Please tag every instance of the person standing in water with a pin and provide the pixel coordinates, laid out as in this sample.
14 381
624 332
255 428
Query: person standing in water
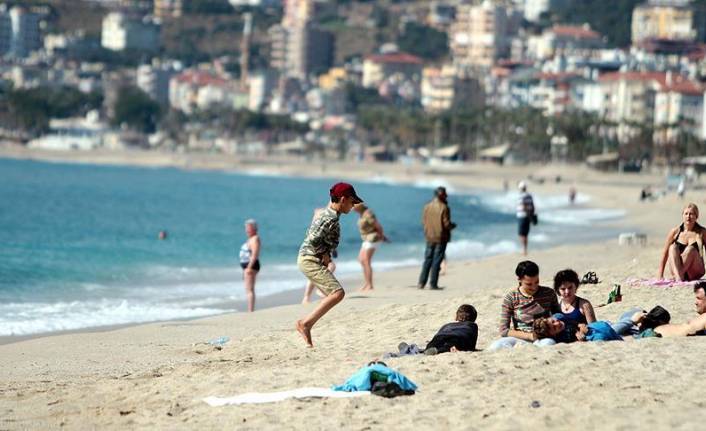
436 220
372 235
250 261
526 215
321 241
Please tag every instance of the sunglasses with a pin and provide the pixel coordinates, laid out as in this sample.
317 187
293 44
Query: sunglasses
371 363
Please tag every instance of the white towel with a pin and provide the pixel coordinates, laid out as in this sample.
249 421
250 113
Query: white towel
257 398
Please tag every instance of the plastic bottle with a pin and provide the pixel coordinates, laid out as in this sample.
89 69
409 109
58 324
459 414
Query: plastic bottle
220 341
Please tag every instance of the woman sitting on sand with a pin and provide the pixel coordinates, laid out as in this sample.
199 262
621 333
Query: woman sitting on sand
576 310
684 247
522 306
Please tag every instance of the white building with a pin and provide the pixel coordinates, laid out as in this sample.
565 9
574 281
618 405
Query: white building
442 89
199 89
663 19
481 34
73 134
255 3
120 32
154 78
19 31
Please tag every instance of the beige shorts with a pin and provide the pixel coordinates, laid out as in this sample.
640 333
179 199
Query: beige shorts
318 273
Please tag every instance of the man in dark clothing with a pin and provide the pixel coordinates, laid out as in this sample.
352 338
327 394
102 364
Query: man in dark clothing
436 219
460 335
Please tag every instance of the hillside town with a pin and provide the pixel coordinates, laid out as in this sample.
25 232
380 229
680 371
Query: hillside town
504 80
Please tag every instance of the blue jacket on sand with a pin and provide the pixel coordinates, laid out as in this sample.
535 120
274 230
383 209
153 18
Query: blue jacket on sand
360 381
602 331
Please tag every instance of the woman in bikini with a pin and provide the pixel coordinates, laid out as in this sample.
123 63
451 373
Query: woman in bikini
684 248
250 261
372 235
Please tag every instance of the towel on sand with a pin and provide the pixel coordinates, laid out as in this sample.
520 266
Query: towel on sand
658 282
271 397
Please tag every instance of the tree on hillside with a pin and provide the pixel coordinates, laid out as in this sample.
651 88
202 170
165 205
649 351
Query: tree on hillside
136 109
610 18
423 41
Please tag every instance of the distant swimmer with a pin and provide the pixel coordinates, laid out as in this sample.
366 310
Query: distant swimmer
162 234
250 261
572 195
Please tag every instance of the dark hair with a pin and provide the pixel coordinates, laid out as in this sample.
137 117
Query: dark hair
466 313
335 199
526 268
658 316
541 327
700 285
565 276
440 191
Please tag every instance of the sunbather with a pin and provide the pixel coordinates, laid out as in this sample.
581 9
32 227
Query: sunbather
684 248
696 326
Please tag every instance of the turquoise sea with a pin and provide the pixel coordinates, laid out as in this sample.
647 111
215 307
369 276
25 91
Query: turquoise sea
79 247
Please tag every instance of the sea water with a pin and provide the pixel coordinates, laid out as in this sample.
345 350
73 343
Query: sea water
79 246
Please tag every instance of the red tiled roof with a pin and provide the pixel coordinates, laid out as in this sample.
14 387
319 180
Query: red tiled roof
575 31
561 76
676 83
398 57
200 78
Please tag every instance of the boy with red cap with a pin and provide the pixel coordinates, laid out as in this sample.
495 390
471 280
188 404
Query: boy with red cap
315 254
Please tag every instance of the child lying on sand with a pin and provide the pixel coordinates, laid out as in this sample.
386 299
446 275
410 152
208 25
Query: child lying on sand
458 336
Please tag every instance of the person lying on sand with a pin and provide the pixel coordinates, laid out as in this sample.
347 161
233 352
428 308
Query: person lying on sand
635 322
458 336
696 326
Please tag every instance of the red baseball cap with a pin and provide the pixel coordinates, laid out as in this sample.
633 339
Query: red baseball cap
340 190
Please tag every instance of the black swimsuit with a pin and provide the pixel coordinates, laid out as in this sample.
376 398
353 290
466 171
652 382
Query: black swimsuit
683 246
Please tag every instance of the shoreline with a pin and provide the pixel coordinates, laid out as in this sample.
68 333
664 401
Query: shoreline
292 297
156 375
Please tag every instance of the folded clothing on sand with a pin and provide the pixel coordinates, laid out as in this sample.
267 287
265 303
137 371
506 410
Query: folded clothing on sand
271 397
362 381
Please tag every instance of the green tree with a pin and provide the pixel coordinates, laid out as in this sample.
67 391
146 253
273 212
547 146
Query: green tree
136 109
423 41
611 18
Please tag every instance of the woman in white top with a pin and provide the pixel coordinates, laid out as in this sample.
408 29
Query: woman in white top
249 261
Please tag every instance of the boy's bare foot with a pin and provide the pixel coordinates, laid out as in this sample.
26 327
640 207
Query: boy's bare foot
305 333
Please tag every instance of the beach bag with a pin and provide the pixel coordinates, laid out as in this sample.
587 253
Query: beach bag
658 316
534 218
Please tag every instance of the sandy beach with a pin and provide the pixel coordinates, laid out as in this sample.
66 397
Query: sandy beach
155 376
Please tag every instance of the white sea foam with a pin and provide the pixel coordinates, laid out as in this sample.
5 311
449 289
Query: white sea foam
37 317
